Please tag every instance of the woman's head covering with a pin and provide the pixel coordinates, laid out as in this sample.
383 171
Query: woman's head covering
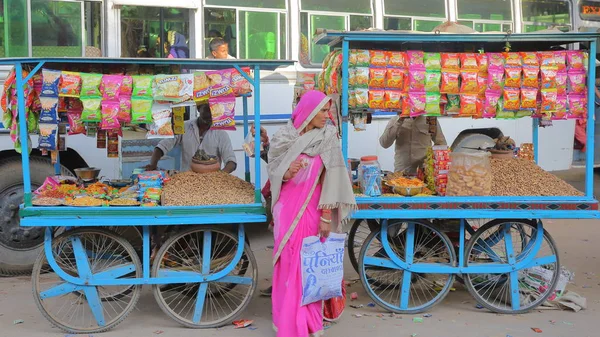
179 48
308 107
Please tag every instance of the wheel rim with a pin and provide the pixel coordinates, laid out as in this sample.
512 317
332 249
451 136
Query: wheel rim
356 237
384 284
535 284
71 312
223 301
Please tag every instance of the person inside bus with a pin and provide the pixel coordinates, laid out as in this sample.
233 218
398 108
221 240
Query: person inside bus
219 49
412 138
198 136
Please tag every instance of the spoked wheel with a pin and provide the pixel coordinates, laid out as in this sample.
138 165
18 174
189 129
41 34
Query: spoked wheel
357 235
209 304
511 242
130 233
399 290
84 253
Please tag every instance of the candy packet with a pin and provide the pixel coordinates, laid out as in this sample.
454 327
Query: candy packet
110 113
142 85
415 58
50 81
377 77
417 101
468 61
511 99
141 110
70 84
223 112
529 98
395 78
531 77
469 82
577 79
362 98
433 61
450 61
393 99
124 115
577 106
432 105
92 112
161 126
378 58
90 84
432 81
549 97
450 83
468 105
48 138
220 83
376 99
397 59
490 107
76 125
49 111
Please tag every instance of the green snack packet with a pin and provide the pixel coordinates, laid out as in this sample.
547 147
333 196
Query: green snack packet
432 105
433 61
90 84
141 110
453 105
432 81
92 112
142 85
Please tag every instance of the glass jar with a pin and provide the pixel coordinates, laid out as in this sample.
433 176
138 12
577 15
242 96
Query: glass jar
369 176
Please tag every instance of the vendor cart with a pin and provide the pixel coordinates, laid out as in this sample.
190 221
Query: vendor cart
400 246
89 278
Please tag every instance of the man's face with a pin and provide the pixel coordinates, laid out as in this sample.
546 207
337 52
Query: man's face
205 118
222 52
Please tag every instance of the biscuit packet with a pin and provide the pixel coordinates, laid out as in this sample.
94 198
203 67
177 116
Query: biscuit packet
239 83
201 86
161 126
220 83
173 88
48 139
50 81
223 112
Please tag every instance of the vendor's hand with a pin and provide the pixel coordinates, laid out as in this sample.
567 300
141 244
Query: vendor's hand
150 167
295 167
324 229
264 138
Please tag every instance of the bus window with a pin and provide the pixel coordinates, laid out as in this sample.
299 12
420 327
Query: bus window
56 28
422 15
486 15
143 29
261 26
13 29
541 14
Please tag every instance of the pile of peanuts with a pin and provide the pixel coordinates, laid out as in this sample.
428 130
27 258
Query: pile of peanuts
214 188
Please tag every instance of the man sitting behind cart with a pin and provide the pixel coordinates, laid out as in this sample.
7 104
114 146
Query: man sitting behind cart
198 136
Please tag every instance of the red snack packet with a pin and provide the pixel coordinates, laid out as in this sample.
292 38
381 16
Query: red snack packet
450 84
577 80
110 112
496 79
416 80
495 60
469 82
394 78
450 61
378 58
405 106
561 109
575 60
513 60
415 58
243 323
560 59
377 99
70 84
561 82
468 61
511 99
239 83
529 98
76 125
124 115
393 99
577 106
491 103
482 62
111 86
417 102
397 59
530 59
549 77
468 105
127 86
547 59
377 77
549 97
481 85
531 77
513 77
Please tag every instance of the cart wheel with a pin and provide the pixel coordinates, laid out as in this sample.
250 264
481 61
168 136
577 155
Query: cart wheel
356 237
210 304
82 253
399 290
130 233
535 283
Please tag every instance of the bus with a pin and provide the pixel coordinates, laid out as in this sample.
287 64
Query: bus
253 29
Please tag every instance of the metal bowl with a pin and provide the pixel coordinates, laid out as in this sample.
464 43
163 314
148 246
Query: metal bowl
87 173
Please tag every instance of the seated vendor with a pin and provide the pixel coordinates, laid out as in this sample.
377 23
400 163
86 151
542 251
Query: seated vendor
412 138
198 136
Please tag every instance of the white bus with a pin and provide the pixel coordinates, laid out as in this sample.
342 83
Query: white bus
254 29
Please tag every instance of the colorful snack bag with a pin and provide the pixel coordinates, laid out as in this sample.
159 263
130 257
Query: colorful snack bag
110 113
90 84
561 82
531 77
468 105
450 61
405 106
415 58
482 63
450 84
495 60
469 82
168 87
142 85
394 78
141 110
505 114
378 58
239 83
223 112
468 61
511 99
362 77
124 115
577 80
363 58
351 58
201 86
433 61
481 84
416 76
70 84
577 106
161 126
530 59
513 60
393 99
49 111
549 97
362 98
377 99
76 125
513 77
432 105
111 86
50 80
561 107
560 59
127 86
491 103
549 77
529 98
48 139
397 59
453 105
575 60
62 104
91 109
432 81
220 83
417 101
186 91
547 59
377 77
496 79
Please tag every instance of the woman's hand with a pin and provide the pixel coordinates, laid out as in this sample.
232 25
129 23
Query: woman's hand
324 227
295 167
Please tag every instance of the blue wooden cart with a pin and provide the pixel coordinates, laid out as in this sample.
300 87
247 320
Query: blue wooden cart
89 278
400 246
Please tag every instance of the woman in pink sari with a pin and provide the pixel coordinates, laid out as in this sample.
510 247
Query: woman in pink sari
312 195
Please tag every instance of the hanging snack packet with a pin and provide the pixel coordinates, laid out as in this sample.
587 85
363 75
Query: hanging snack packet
468 61
351 58
405 106
76 125
577 106
450 84
91 109
531 77
378 58
547 59
511 99
220 83
561 108
513 77
142 85
577 80
48 139
416 80
432 105
362 77
495 60
110 113
453 105
351 99
178 120
468 105
496 79
186 91
549 97
561 82
240 84
363 58
124 115
167 87
560 58
432 81
50 80
223 112
127 86
377 99
49 111
395 78
433 61
575 60
529 98
482 63
377 77
417 101
469 82
70 84
362 98
161 126
111 86
415 58
549 77
397 59
90 84
393 99
450 61
530 59
491 103
513 60
201 86
62 104
141 110
481 84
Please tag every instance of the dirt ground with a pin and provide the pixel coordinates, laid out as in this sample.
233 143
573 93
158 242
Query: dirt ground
456 316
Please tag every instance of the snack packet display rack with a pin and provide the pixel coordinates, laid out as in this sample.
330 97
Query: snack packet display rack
508 262
89 278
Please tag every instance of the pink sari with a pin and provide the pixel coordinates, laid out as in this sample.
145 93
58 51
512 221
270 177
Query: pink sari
290 319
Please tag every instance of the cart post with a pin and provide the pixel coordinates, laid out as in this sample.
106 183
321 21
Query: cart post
20 82
536 138
246 158
257 185
589 155
344 97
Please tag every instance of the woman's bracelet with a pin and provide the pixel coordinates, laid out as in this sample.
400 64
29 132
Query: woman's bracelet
325 220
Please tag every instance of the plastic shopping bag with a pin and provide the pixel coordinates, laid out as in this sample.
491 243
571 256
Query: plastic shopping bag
322 267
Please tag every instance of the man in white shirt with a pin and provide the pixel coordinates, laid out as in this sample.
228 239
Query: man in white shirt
219 49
